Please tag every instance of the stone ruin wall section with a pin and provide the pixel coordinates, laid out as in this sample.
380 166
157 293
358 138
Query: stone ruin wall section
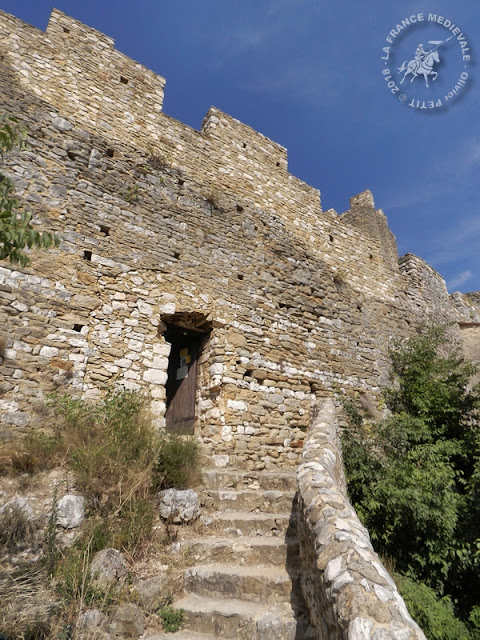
158 218
348 592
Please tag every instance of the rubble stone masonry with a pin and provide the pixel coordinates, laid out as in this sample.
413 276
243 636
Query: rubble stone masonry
158 219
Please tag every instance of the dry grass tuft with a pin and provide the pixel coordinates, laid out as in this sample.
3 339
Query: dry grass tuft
16 528
27 607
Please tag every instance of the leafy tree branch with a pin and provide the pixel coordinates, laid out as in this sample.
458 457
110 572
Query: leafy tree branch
16 231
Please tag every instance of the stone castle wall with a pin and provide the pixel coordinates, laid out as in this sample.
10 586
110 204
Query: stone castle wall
157 218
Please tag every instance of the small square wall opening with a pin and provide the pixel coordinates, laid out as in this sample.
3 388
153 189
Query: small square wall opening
78 327
123 80
87 255
105 230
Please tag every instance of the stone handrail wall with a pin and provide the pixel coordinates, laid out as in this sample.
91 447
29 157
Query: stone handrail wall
349 594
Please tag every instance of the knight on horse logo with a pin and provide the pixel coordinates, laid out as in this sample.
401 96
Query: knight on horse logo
422 63
446 80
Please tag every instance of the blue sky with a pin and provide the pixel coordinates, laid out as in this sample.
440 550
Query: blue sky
310 75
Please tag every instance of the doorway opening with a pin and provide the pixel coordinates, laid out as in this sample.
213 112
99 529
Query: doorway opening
187 334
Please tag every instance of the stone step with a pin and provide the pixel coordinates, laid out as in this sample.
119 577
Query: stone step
267 480
271 501
268 585
241 523
243 550
242 620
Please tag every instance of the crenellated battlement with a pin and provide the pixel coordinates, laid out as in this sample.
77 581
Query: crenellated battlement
158 218
78 72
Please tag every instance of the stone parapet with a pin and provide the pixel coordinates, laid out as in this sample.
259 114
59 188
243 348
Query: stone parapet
348 592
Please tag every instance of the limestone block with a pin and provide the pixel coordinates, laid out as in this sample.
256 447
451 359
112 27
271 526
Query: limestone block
108 567
237 405
89 623
127 621
155 376
162 349
221 460
217 369
151 591
159 362
62 124
18 419
144 308
18 503
19 306
179 505
71 511
85 302
49 352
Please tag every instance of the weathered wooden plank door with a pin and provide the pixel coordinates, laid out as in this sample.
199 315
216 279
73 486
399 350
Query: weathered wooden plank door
182 382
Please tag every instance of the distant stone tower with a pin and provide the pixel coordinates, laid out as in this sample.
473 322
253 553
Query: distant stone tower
365 217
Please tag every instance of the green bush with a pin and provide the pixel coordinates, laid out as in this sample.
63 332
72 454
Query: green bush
119 461
172 619
414 478
112 449
434 615
178 462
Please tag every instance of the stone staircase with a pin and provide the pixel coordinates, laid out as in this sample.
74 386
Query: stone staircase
244 583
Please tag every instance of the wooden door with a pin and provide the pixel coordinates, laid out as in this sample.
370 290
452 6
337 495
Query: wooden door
182 380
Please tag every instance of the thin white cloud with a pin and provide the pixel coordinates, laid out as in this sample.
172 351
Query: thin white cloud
452 243
459 280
